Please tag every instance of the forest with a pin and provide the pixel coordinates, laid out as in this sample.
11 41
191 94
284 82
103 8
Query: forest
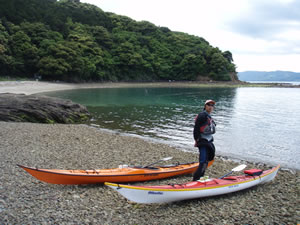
71 41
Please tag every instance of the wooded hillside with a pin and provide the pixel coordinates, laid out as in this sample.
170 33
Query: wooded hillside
72 41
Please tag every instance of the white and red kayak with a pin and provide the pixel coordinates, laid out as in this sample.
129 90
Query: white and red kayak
194 189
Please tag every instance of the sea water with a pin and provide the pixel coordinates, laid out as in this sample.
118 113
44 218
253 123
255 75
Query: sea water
253 124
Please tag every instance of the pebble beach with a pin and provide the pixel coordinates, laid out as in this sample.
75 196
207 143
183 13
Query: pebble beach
26 200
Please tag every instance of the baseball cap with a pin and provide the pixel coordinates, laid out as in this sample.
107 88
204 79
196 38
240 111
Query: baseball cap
210 101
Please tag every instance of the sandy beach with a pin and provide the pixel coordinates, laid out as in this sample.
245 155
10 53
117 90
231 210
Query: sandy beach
25 200
33 87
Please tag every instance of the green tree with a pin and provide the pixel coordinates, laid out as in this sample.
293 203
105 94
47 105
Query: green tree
73 41
228 56
54 64
102 36
24 54
5 57
191 66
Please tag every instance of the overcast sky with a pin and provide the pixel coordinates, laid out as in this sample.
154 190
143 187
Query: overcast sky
262 35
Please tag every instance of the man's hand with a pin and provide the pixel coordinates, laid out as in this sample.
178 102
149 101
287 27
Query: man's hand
195 144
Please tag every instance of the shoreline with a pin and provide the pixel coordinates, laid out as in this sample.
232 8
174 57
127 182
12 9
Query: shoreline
35 87
59 146
38 87
232 158
25 200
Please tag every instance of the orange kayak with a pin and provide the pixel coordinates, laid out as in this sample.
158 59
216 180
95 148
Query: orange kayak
119 175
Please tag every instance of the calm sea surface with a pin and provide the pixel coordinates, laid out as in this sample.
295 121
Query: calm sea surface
255 124
278 82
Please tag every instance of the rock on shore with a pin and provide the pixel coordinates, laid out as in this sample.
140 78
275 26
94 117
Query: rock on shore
25 200
40 109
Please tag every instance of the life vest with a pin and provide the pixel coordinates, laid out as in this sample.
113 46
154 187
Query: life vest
209 127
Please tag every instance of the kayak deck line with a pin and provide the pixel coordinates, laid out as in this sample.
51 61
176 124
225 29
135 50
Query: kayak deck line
211 186
108 172
193 189
115 175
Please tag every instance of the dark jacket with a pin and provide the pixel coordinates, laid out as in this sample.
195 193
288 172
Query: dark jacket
201 120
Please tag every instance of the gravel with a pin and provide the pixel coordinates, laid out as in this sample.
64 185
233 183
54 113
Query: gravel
25 200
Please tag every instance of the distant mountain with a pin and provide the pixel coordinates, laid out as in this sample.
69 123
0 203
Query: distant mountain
269 76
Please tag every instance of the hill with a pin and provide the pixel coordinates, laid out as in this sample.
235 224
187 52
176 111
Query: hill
72 41
269 76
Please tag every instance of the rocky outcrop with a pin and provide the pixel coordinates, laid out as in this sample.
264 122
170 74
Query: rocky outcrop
40 109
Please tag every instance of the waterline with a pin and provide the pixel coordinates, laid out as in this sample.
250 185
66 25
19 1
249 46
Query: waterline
253 124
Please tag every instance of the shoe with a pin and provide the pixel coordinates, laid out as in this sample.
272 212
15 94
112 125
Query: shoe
204 179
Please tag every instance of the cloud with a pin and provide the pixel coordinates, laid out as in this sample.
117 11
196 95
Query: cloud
264 18
261 34
277 23
247 62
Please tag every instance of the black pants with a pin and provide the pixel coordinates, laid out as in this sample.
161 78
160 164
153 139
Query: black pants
203 162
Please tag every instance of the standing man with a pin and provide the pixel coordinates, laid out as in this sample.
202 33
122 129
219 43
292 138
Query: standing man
204 128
